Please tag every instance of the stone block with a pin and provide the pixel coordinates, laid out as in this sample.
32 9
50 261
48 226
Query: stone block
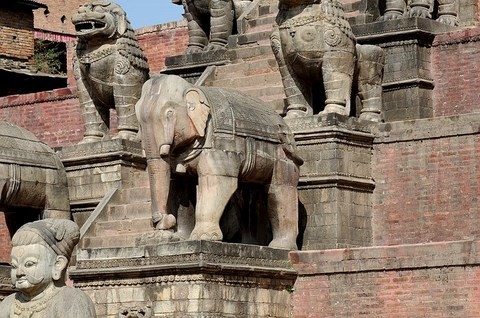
407 82
190 279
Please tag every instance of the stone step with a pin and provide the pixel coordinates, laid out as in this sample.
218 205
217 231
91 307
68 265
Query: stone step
121 227
128 211
261 37
252 52
263 23
266 79
266 93
137 194
109 241
246 69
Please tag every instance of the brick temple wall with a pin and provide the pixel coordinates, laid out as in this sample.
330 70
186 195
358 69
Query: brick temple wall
163 40
425 280
58 17
16 33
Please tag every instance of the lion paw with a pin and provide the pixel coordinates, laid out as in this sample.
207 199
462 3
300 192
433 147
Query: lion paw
164 222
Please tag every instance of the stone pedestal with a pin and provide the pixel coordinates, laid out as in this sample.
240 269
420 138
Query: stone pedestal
407 82
95 168
187 279
336 184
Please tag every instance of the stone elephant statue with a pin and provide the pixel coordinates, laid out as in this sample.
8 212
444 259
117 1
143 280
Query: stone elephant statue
31 174
224 138
211 22
321 63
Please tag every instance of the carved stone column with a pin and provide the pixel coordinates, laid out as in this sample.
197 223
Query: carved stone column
336 184
407 82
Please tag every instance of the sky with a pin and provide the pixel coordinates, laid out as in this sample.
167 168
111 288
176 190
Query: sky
143 13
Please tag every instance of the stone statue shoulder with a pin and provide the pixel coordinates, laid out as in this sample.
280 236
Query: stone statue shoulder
67 302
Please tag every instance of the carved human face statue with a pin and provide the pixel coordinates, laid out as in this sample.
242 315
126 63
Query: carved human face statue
33 268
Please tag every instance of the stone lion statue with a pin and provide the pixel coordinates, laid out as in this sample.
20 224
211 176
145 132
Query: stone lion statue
211 22
321 64
110 69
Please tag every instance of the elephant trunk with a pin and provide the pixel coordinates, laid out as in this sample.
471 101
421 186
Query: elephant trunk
159 174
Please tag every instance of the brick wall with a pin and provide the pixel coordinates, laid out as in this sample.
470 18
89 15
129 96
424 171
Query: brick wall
53 116
5 241
163 40
16 33
426 280
427 181
456 74
58 17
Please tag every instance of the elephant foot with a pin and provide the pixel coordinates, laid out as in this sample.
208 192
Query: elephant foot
214 47
128 135
164 222
296 113
90 139
284 244
207 233
370 116
193 49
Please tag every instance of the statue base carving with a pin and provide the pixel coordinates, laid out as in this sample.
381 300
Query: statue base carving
336 186
407 83
188 279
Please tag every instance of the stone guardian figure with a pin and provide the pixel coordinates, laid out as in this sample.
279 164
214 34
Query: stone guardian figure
39 259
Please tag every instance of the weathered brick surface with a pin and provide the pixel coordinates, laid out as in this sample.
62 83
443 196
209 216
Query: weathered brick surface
16 33
426 280
163 40
53 116
58 17
456 74
427 181
5 241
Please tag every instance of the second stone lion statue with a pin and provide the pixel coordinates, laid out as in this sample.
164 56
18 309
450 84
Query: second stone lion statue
321 63
110 69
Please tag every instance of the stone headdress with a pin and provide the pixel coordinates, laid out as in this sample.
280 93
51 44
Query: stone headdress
59 234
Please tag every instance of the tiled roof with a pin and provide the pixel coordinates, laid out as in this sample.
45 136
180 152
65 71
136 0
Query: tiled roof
30 3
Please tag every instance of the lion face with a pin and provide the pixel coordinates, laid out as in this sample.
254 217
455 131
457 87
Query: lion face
99 18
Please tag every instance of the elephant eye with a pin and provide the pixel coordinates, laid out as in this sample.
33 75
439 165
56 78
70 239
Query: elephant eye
169 113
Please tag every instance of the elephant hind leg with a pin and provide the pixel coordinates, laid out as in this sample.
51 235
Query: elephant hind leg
214 192
283 205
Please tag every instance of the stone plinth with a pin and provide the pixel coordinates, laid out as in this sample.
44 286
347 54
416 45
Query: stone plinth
187 279
407 82
95 168
336 184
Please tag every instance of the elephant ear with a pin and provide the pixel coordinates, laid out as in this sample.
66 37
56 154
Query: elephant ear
197 109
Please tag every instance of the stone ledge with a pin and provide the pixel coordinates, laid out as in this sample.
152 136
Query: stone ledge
387 258
428 128
181 258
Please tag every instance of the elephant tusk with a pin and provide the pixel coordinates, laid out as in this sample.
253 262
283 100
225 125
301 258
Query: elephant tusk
164 150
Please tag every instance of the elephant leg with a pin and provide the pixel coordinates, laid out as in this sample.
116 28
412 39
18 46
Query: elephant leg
371 60
214 192
394 9
296 104
197 37
221 23
447 12
125 100
337 72
57 202
283 205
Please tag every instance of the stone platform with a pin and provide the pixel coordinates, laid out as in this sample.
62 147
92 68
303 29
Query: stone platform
187 279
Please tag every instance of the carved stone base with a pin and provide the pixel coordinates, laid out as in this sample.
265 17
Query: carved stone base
187 279
94 169
407 82
336 184
6 287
